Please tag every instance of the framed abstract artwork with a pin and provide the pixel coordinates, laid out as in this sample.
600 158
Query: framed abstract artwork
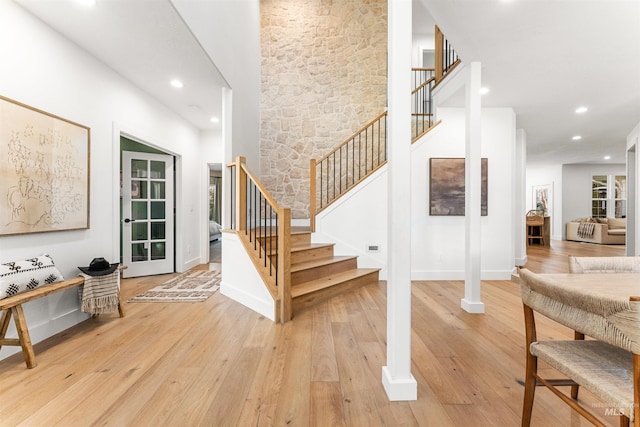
44 171
543 198
446 186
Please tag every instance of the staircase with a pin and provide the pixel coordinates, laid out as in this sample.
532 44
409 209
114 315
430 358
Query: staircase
318 275
298 273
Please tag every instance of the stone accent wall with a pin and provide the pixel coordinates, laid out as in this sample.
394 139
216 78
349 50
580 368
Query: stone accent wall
324 76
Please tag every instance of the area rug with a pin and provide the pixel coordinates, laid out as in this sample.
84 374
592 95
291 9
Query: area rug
192 286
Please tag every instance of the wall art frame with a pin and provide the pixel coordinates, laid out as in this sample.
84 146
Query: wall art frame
447 186
44 171
543 198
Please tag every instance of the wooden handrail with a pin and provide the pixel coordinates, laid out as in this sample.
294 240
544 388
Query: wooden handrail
422 86
260 186
355 134
269 251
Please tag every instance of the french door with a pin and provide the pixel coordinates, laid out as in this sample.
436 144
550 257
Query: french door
147 214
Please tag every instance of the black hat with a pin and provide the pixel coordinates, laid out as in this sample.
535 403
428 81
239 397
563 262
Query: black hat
99 267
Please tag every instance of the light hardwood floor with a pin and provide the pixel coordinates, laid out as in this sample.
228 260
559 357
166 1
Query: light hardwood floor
217 363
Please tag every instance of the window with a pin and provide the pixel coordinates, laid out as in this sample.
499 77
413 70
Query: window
608 190
621 196
599 196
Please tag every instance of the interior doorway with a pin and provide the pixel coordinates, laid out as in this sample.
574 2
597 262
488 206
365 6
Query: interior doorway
147 205
428 58
215 213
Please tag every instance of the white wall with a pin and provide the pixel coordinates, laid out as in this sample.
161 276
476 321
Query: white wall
420 42
576 189
211 151
243 282
552 176
45 71
437 241
229 31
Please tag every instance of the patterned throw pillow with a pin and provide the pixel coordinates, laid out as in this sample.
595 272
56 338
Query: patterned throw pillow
28 274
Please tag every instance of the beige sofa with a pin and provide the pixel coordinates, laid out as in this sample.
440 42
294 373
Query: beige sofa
606 231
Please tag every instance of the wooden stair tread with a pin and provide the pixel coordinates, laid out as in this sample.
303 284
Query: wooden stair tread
319 262
328 281
306 247
300 230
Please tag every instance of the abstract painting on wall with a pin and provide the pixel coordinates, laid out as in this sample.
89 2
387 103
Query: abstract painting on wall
44 171
446 186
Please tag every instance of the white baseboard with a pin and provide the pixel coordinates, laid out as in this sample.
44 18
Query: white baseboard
190 264
460 275
474 307
265 308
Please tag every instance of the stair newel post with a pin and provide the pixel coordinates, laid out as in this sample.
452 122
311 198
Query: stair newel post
284 265
241 192
312 195
439 55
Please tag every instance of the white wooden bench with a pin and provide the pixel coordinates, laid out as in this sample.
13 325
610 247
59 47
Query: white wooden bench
13 306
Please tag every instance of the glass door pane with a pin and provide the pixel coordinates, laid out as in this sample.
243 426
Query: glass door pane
148 240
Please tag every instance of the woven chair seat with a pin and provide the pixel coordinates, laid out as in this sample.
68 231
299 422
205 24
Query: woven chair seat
603 369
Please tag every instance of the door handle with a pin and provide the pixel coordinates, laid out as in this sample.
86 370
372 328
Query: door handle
127 220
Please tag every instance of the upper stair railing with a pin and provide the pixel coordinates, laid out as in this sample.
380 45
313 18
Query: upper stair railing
446 58
343 168
422 117
366 151
265 231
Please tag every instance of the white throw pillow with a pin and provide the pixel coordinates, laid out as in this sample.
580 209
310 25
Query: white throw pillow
28 274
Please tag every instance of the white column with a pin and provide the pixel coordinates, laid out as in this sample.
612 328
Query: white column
227 143
520 205
471 302
396 376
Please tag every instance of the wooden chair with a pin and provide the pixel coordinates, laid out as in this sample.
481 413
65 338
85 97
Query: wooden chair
608 371
589 265
535 226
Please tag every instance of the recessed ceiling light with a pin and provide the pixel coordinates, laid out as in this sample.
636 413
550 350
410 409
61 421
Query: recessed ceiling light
581 110
214 120
576 137
484 90
176 83
607 157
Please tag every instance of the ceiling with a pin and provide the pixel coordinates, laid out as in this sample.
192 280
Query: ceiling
543 58
147 43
